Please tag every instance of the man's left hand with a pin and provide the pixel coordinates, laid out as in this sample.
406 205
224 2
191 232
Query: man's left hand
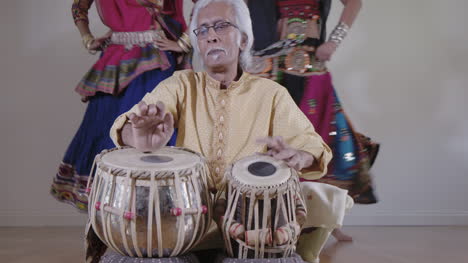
279 150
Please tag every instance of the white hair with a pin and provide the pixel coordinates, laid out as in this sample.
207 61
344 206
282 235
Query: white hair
242 21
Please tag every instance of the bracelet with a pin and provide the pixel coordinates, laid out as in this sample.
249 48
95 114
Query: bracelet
339 33
184 43
87 41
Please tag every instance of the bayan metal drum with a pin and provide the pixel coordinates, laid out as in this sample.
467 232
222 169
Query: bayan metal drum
150 204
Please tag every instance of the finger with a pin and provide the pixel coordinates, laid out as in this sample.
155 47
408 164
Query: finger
137 122
108 34
141 122
280 145
295 162
270 142
160 44
132 117
163 45
164 40
306 160
94 44
161 109
293 165
285 154
281 142
168 122
142 108
152 110
323 57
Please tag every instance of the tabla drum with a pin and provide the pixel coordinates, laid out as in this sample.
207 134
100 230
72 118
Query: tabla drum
150 204
265 209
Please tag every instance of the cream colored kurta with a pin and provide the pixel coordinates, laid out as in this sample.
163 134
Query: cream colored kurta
223 124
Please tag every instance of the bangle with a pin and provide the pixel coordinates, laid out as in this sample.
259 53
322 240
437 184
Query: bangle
339 33
87 41
184 43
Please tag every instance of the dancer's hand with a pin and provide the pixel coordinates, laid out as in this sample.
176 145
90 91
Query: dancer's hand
101 42
151 127
326 51
168 45
279 150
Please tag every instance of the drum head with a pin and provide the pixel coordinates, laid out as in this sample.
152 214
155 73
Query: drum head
261 171
166 158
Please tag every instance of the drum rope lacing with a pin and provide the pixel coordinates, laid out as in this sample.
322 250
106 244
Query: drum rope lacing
236 188
191 175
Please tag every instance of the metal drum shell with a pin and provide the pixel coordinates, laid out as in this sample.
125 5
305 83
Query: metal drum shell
125 193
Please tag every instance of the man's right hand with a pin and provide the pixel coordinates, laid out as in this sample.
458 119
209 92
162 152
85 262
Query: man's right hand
151 127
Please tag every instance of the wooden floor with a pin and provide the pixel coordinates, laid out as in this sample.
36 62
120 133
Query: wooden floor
372 244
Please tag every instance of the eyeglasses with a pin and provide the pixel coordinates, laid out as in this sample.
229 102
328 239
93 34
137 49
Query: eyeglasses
220 28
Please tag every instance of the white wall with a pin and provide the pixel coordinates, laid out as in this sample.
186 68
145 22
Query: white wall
402 76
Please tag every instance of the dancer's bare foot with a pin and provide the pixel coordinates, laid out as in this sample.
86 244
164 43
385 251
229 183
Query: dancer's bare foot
341 236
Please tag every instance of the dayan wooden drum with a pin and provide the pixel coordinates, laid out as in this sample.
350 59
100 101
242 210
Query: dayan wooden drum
265 209
152 204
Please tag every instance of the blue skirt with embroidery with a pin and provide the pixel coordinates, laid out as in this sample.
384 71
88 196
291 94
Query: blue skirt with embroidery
93 135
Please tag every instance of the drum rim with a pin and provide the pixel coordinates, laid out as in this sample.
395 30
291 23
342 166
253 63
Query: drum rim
260 189
103 196
146 174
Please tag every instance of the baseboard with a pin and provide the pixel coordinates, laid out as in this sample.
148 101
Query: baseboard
52 218
421 218
417 218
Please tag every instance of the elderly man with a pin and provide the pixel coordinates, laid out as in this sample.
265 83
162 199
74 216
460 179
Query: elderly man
226 114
